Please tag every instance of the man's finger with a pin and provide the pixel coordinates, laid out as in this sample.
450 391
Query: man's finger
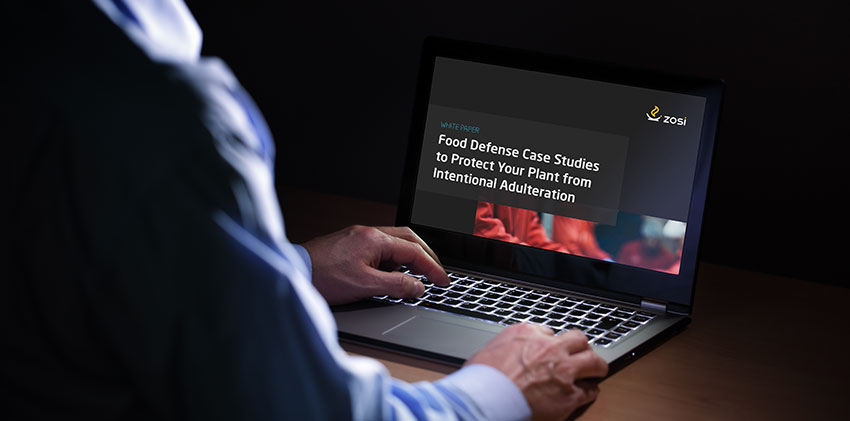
394 284
408 234
585 364
398 250
574 340
546 330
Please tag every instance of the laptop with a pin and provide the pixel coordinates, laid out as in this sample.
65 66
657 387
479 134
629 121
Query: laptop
556 191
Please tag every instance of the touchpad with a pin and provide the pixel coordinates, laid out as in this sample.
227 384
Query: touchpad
440 336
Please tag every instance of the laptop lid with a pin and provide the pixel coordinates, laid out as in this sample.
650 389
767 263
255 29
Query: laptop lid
563 172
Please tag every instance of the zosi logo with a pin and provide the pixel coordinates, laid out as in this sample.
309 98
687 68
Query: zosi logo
656 116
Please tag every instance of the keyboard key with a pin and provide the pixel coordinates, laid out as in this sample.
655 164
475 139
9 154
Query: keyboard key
631 324
521 315
608 323
612 335
595 332
559 309
620 314
583 307
640 319
602 341
556 316
621 330
538 320
511 321
554 324
577 313
469 306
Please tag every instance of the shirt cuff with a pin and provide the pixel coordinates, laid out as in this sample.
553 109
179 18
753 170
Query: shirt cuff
496 396
305 255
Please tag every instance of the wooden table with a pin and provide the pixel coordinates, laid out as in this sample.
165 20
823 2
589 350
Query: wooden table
760 347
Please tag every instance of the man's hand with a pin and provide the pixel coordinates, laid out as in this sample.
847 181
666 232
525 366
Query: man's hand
554 373
360 262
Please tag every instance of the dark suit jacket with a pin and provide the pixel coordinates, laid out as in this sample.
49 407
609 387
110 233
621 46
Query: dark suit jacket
120 296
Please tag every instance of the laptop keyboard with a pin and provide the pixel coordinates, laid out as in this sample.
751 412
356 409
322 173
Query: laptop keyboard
506 304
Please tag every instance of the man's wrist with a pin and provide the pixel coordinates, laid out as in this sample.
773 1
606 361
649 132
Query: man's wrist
496 396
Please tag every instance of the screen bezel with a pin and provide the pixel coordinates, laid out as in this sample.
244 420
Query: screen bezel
551 268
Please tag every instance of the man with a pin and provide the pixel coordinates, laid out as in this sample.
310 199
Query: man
148 275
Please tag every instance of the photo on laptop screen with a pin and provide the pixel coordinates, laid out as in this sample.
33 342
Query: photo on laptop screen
578 166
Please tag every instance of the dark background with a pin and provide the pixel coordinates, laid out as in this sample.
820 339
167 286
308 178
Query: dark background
335 81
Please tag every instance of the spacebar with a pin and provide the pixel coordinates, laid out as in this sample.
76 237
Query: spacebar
450 309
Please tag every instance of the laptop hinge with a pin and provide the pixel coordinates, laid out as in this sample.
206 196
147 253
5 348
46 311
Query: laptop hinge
653 305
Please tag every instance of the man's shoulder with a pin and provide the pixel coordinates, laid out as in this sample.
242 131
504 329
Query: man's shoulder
122 115
87 103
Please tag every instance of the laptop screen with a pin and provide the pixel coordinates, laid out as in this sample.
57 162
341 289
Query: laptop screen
569 165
